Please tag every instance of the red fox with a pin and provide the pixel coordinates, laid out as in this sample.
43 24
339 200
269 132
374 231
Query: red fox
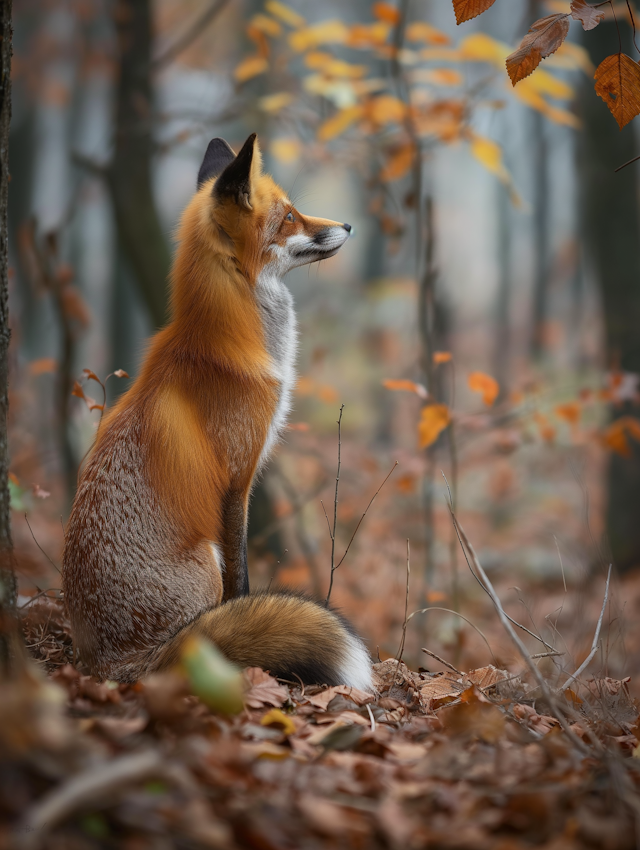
156 545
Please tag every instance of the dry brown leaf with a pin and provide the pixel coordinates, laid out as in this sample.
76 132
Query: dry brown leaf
484 677
440 690
398 163
589 16
263 689
618 84
467 9
544 38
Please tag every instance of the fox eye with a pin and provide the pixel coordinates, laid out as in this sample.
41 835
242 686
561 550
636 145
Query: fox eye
289 217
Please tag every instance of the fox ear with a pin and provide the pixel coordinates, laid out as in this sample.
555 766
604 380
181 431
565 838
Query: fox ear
235 182
216 159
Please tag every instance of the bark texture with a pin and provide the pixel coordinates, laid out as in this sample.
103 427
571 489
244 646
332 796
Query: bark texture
611 229
7 574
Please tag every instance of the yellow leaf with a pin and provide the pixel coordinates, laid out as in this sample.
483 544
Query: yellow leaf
250 67
410 386
266 24
338 68
545 83
386 12
442 357
479 382
442 77
433 420
285 13
422 31
317 59
572 56
286 150
368 35
482 48
273 103
386 109
277 717
327 32
489 153
338 123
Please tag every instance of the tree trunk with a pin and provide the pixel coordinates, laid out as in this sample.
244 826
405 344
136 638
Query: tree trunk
7 574
611 229
130 177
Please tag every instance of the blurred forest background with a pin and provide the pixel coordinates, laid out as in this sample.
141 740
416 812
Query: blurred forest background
483 323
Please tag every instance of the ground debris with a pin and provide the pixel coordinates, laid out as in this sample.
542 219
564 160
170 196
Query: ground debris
440 760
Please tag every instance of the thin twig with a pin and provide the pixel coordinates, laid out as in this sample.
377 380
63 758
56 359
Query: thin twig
630 162
406 619
553 654
195 30
522 649
365 513
462 617
596 637
442 661
564 581
37 596
515 622
335 508
40 547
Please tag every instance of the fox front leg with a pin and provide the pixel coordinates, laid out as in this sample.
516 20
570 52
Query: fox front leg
235 573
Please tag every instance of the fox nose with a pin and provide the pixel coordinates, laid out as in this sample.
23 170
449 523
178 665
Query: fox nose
347 227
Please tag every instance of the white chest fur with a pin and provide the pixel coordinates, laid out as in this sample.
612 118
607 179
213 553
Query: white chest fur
281 338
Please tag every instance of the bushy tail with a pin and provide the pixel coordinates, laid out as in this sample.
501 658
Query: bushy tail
288 635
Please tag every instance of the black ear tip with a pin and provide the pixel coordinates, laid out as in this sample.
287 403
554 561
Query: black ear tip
218 155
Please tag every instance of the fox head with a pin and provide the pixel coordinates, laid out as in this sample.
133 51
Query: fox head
243 214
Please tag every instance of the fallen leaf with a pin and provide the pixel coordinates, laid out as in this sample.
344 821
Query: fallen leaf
589 16
465 10
214 680
544 38
278 718
263 689
618 84
433 420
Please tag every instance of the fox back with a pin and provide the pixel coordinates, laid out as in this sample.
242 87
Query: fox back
157 533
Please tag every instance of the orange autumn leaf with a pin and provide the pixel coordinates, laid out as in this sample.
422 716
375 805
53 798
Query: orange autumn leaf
386 12
250 67
479 382
42 366
615 438
387 109
398 163
544 38
618 84
409 386
406 483
570 412
433 420
467 9
327 394
422 31
442 357
338 123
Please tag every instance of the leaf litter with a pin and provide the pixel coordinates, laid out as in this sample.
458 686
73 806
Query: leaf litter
476 760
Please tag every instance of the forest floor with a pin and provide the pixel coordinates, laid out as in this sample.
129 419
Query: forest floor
475 760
